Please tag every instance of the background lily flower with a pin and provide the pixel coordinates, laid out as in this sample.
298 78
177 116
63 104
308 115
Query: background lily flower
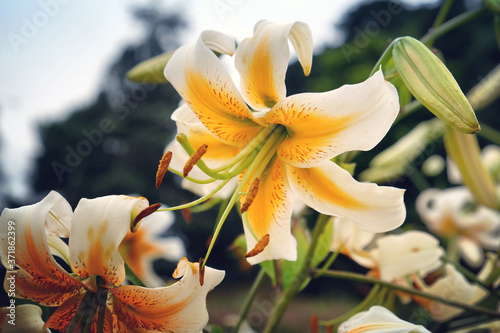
287 145
407 253
452 213
98 227
352 242
141 248
452 285
379 320
27 318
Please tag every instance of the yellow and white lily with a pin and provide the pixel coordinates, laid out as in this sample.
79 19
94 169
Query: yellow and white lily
95 230
281 146
379 320
142 247
452 213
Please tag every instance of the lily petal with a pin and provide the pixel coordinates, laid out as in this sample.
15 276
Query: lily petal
180 307
324 125
218 152
410 252
142 247
263 60
452 285
271 213
331 190
470 251
28 318
39 277
101 224
203 83
379 320
62 316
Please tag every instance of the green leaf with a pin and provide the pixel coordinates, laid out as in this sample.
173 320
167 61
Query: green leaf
290 269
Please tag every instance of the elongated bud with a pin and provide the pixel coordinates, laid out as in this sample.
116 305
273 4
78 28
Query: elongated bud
144 213
433 85
151 70
197 155
259 247
395 160
252 192
163 168
465 152
486 91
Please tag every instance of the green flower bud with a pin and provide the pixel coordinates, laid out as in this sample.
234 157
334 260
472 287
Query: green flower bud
433 85
151 70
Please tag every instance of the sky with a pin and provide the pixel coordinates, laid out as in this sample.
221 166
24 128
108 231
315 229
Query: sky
53 54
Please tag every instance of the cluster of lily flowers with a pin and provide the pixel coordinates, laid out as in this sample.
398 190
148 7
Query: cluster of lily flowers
269 155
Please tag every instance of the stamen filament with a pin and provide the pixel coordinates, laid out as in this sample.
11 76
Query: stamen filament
197 201
82 309
254 143
194 180
263 157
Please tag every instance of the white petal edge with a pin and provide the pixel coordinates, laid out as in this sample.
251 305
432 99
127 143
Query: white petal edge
380 209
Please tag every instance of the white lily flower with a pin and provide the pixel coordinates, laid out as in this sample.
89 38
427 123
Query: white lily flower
446 214
379 320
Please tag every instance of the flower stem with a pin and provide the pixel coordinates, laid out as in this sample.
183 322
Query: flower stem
443 11
297 283
366 303
455 22
252 294
362 278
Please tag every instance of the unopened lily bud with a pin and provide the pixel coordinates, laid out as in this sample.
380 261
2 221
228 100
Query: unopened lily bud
151 70
465 152
433 85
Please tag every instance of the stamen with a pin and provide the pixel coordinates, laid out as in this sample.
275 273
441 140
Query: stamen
163 168
252 192
145 212
314 325
194 159
186 215
259 247
202 271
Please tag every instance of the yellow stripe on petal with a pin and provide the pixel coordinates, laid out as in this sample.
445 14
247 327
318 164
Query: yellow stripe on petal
98 228
324 125
180 307
201 80
270 213
263 60
331 190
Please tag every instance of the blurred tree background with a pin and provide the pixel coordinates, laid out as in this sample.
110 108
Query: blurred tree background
113 145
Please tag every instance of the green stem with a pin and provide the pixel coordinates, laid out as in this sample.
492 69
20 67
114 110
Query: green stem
366 303
297 283
362 278
328 263
417 178
490 134
455 22
247 303
384 58
443 12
